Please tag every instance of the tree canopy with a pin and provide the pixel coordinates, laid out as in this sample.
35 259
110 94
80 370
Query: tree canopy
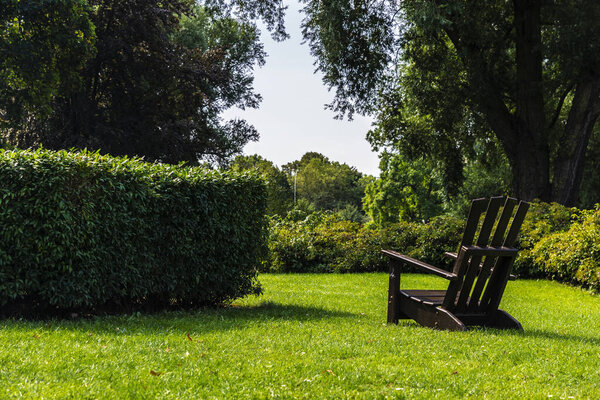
440 75
328 185
405 190
137 77
279 192
43 48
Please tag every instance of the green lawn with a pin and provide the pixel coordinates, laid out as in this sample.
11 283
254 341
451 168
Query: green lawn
311 336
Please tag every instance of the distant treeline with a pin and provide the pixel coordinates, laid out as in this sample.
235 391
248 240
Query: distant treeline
410 191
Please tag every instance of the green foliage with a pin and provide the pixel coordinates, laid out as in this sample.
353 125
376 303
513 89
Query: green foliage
328 185
279 192
81 230
405 190
43 46
414 188
486 173
551 244
322 242
151 82
350 41
302 209
542 220
351 213
573 255
439 76
555 241
408 118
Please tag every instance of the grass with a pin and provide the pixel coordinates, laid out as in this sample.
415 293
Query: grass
311 336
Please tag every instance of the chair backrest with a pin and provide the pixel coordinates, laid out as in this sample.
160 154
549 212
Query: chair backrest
484 261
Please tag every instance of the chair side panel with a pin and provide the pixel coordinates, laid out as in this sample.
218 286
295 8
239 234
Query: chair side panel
460 266
482 279
490 300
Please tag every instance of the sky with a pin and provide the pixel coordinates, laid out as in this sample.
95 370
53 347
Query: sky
291 119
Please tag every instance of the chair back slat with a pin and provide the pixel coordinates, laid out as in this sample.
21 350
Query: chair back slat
489 262
489 220
516 224
477 208
472 267
454 286
507 212
490 300
467 283
481 266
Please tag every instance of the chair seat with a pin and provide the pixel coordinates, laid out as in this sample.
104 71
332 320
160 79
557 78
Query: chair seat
434 297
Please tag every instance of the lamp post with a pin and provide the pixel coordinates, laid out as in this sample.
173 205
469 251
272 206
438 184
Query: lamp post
295 175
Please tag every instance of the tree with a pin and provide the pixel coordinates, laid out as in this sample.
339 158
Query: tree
441 73
279 192
43 48
406 190
294 166
589 194
484 175
327 184
161 74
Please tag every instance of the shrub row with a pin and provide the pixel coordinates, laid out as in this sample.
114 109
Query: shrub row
324 243
572 255
81 230
543 219
555 242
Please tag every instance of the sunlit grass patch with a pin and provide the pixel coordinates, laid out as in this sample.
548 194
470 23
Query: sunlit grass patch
311 336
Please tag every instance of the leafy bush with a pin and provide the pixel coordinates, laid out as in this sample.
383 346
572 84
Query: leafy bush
573 255
80 230
322 242
543 219
556 242
441 234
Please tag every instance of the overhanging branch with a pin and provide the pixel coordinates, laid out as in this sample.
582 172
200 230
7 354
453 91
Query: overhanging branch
559 106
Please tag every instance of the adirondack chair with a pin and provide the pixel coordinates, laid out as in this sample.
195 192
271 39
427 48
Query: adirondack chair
478 279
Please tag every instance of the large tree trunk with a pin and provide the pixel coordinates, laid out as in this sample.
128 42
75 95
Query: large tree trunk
531 157
522 128
530 168
569 164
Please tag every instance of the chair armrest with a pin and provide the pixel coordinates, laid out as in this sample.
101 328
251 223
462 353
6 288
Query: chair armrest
419 264
453 256
490 251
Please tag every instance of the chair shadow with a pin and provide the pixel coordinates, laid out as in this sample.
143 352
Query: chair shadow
533 333
202 320
545 334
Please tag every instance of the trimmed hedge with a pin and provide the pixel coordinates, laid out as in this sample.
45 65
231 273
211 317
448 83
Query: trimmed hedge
81 230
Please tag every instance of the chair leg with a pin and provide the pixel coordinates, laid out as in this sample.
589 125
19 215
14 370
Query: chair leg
447 321
393 313
500 319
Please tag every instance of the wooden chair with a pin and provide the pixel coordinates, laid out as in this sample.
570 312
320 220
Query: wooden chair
477 281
